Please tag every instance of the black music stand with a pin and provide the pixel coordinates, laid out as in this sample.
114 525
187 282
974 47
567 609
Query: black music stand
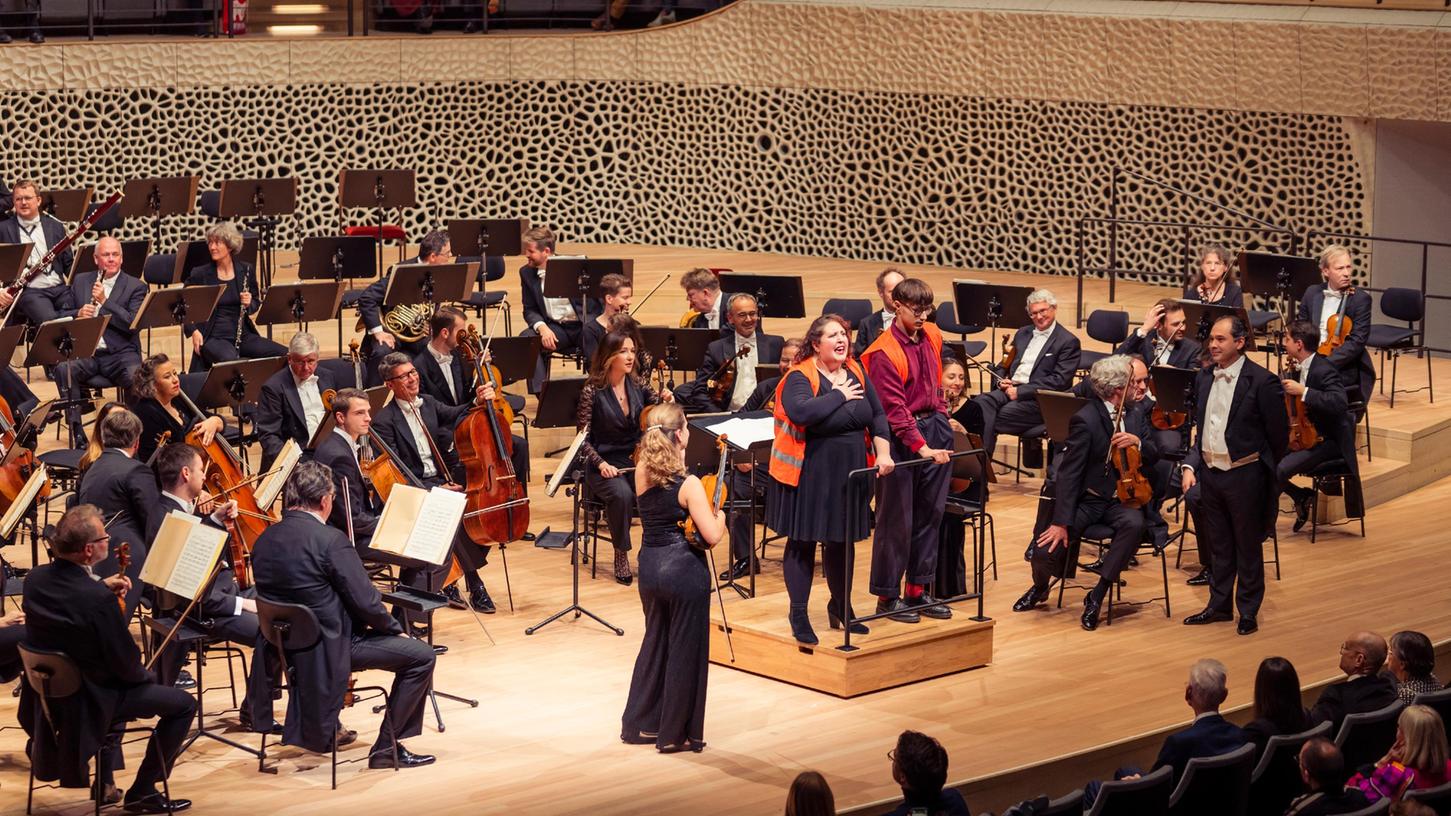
776 295
1268 275
66 205
681 349
260 202
1058 409
487 236
176 307
991 305
237 383
578 280
515 357
1199 318
158 198
13 260
338 258
133 258
1172 387
299 303
377 190
766 371
10 337
702 454
61 341
429 283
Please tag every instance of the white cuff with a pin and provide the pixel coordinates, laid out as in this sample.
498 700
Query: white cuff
375 331
238 610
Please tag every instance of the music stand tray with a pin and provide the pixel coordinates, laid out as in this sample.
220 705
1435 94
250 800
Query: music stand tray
1058 408
776 295
237 382
300 303
681 349
249 198
568 277
159 197
377 189
515 356
991 305
133 258
1199 318
67 205
559 402
338 257
13 258
61 340
487 236
429 283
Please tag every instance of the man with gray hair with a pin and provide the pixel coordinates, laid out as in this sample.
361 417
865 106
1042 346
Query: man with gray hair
291 404
1210 734
1084 491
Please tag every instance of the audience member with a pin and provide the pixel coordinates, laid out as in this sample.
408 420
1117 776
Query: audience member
1323 768
1411 661
1417 759
810 796
1407 807
1277 707
1210 734
1361 657
919 765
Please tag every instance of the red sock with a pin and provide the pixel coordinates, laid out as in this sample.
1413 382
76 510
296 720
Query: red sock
914 590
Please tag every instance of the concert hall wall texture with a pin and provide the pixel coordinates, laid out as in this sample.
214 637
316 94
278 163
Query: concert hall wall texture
931 176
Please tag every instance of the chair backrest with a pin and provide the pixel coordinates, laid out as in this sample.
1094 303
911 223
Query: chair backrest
1146 796
1215 786
210 203
159 270
287 626
946 320
1071 803
342 372
1108 326
1437 798
853 309
1400 303
1276 779
51 674
1439 700
1365 737
1378 807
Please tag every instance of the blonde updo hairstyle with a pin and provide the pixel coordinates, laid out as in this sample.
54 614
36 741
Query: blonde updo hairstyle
659 451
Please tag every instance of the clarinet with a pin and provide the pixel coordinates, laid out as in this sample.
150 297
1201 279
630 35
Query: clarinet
241 313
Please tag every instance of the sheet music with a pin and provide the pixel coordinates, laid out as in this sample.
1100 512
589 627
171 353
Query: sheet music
23 500
745 432
183 554
435 526
282 466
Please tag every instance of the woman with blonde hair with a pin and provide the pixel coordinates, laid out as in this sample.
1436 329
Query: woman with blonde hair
221 338
93 448
666 704
1215 281
1417 760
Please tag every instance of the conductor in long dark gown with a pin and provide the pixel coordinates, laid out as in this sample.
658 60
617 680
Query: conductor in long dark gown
666 705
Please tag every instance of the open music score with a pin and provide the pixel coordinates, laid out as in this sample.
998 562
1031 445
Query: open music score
271 486
181 558
24 500
419 524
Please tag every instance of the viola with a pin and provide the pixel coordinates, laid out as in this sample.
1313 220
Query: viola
1010 355
1133 489
225 475
484 448
17 472
1303 434
1337 328
123 563
715 485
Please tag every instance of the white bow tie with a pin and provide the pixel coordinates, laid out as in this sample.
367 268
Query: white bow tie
1224 375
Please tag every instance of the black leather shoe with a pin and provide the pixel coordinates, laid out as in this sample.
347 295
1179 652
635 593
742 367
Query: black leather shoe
156 802
901 613
345 736
929 607
1247 626
110 794
1091 606
740 568
184 680
481 602
1303 509
1094 566
1030 599
528 536
451 594
1202 579
5 40
1208 616
419 631
37 38
406 758
440 649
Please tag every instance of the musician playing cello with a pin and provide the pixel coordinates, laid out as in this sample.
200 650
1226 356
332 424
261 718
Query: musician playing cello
1316 385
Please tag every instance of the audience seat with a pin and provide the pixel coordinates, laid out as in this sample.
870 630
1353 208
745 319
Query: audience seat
1437 798
1145 796
1276 780
1381 806
1215 786
1364 738
1439 700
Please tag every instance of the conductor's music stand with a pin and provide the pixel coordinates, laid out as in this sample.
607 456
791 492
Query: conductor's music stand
1199 318
338 258
61 341
681 349
260 202
133 258
300 303
776 295
377 190
66 205
176 307
158 198
992 305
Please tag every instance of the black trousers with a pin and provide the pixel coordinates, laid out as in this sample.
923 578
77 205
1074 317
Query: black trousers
115 366
1128 531
174 709
909 511
569 336
1233 518
667 688
42 304
1003 415
223 350
411 662
243 631
1298 462
618 496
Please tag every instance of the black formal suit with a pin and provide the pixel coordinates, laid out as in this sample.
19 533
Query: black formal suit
868 329
279 412
122 353
763 396
370 311
39 304
1326 403
1356 695
1352 358
67 610
1329 803
16 393
115 483
219 332
1237 506
722 311
768 350
1210 735
432 383
1183 354
338 453
300 560
156 420
1232 295
993 413
570 333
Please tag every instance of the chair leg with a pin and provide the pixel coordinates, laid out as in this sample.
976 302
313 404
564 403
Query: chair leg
1395 363
1430 383
1275 539
1164 568
1314 507
993 542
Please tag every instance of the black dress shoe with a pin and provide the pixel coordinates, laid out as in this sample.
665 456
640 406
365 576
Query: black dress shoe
1091 606
440 649
184 680
5 40
1208 616
37 38
929 607
528 536
110 794
900 611
1094 566
481 602
689 745
418 631
345 736
740 568
156 802
1247 626
406 758
1303 509
451 594
1030 599
1202 579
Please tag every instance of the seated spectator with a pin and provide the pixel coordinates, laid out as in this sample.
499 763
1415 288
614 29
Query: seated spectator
1210 734
919 765
810 796
1361 657
1407 807
1417 759
1323 768
1277 703
1411 661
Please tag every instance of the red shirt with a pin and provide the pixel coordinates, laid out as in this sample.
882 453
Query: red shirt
920 393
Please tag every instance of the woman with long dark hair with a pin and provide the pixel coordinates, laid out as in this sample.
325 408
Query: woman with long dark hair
157 386
1278 708
1215 280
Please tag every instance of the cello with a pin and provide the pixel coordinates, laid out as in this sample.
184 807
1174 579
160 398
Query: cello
484 448
17 471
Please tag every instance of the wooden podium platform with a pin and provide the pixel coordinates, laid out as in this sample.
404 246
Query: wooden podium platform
893 654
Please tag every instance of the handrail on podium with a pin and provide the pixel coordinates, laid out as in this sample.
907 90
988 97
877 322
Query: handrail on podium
854 481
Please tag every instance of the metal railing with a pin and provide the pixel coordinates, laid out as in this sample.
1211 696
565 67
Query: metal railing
1425 246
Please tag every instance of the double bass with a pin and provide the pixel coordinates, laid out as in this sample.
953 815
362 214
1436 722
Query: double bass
484 447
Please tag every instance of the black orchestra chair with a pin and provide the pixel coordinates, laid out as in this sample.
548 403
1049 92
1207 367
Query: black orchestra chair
1379 807
946 320
1105 326
1333 478
1364 738
491 268
54 676
853 309
1100 536
1275 781
166 609
1439 700
1409 305
1215 786
967 512
1437 798
1146 796
1069 804
294 627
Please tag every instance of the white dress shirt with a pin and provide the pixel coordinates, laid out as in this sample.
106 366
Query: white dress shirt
31 232
745 372
108 285
1216 416
445 364
712 317
312 407
559 310
352 446
1329 307
1029 358
412 411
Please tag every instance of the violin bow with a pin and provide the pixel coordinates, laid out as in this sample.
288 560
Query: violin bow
646 298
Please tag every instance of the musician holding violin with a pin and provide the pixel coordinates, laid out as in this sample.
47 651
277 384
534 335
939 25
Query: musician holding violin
163 409
705 306
1160 340
1321 427
666 702
1341 313
727 376
1215 281
616 291
291 405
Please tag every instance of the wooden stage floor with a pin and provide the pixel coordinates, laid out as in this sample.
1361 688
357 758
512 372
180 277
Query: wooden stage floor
544 738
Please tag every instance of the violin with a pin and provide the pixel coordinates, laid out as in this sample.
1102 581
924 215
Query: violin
16 473
123 563
715 485
1337 328
225 475
1134 491
484 448
1303 434
723 381
1010 355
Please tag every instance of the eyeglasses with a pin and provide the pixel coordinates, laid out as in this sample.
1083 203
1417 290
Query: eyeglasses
24 199
104 537
412 372
924 312
747 315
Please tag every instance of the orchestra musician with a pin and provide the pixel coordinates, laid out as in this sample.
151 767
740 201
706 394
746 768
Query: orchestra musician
1215 281
221 339
225 610
875 323
352 418
1243 432
291 404
1085 491
609 406
1318 387
555 320
16 393
666 702
107 291
44 297
905 367
157 384
746 345
1351 358
1160 340
70 607
704 298
434 249
829 422
1047 357
303 560
615 291
124 489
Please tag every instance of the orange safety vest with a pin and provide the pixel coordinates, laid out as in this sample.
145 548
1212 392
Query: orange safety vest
788 452
887 343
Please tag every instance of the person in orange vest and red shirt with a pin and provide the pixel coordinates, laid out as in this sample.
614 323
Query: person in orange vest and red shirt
905 366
